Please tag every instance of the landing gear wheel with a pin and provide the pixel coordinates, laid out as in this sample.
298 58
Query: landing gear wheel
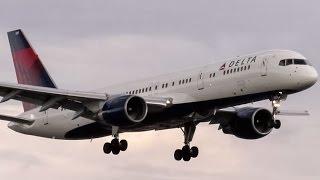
115 145
186 155
107 148
277 124
178 154
115 142
115 150
123 145
194 151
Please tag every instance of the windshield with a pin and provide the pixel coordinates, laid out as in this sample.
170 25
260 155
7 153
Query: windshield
287 62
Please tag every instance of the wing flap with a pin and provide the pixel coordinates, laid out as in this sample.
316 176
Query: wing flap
6 88
48 97
15 119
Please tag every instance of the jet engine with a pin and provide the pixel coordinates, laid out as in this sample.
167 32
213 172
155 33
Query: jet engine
124 110
250 123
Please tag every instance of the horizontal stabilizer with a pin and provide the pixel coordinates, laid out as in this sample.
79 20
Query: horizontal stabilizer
16 119
292 113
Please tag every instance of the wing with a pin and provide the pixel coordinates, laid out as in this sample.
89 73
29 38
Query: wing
83 103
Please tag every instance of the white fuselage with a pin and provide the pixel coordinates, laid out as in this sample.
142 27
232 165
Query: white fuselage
235 77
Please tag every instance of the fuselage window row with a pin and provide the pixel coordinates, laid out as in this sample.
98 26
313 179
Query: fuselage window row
185 81
239 69
164 85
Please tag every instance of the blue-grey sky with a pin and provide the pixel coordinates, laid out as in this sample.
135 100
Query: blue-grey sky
91 44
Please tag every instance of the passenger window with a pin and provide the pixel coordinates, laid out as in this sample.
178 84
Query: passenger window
166 85
242 68
172 83
150 89
228 71
224 72
156 88
189 79
182 81
210 75
214 74
245 68
289 62
282 63
300 61
249 67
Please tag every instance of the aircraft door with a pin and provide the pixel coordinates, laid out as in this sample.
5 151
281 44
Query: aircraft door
45 118
201 81
264 66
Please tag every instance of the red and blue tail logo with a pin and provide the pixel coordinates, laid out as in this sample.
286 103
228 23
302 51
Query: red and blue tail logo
29 69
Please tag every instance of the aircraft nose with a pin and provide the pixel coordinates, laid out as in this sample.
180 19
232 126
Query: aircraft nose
312 77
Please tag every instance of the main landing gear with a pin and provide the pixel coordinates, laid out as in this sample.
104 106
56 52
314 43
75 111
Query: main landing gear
276 100
115 146
186 153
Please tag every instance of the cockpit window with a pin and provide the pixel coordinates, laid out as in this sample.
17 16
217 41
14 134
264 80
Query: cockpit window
282 63
300 61
287 62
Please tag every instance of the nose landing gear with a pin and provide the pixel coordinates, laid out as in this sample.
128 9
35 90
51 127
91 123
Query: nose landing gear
276 100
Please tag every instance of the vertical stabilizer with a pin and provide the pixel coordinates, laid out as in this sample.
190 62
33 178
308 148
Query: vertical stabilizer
28 66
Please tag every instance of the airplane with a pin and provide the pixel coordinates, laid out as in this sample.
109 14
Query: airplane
180 100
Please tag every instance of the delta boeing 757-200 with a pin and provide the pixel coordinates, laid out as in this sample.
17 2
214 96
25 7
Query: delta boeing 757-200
178 100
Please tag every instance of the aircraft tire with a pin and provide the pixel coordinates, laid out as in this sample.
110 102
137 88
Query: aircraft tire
194 151
277 124
178 155
123 145
107 148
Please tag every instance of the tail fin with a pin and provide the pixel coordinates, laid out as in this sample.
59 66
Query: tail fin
28 66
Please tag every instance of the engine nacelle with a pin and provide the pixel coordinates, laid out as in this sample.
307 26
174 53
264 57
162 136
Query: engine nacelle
124 110
250 123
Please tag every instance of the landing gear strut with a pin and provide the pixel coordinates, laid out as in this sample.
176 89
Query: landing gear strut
276 100
186 153
115 146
